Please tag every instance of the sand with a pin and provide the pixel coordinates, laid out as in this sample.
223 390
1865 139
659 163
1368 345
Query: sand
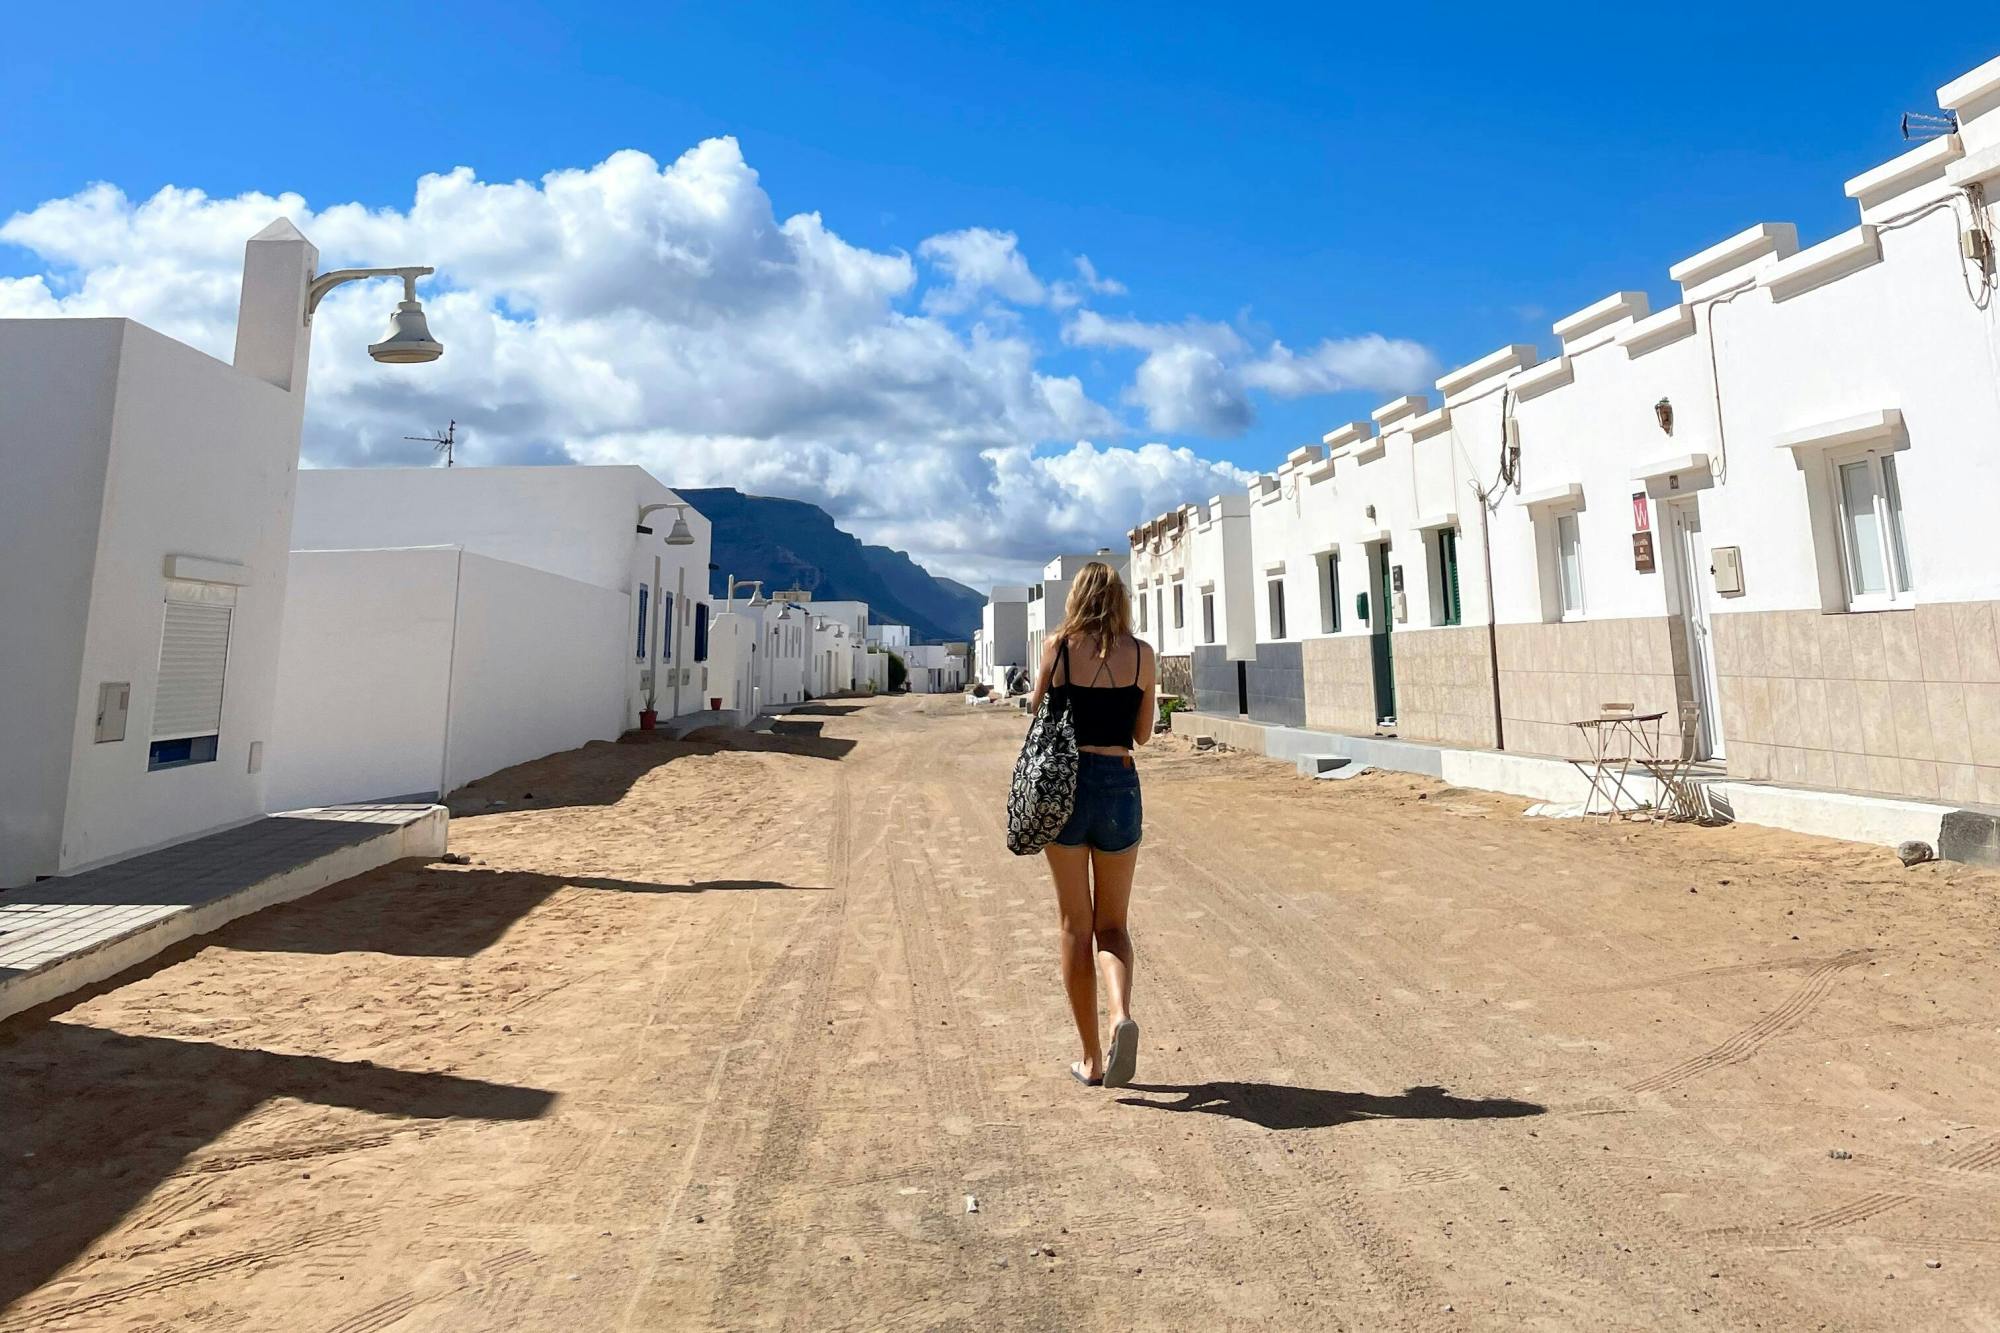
723 1034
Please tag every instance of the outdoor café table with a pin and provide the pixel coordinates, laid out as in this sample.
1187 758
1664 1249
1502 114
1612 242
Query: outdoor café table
1616 739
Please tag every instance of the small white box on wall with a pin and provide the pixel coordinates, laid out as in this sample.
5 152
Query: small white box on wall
1726 563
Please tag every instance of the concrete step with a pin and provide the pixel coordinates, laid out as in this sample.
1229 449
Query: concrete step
1321 765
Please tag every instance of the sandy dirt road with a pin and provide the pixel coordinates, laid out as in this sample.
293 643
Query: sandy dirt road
724 1038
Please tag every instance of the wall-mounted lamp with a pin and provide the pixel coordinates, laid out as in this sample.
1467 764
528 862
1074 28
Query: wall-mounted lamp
1663 412
678 535
409 340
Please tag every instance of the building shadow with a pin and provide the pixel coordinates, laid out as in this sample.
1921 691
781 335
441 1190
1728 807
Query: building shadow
822 709
434 911
96 1121
808 738
1281 1106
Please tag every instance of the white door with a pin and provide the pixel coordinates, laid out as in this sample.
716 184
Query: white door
1688 556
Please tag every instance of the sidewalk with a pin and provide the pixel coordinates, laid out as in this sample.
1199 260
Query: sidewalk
64 934
1965 835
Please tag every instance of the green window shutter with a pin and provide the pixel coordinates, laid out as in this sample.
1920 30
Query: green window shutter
1449 551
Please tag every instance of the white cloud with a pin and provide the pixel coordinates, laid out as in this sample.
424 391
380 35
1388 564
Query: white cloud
1197 375
978 261
660 315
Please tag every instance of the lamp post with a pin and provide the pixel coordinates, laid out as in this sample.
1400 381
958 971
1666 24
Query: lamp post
678 535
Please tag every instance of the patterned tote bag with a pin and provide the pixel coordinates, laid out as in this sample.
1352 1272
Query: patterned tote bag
1043 792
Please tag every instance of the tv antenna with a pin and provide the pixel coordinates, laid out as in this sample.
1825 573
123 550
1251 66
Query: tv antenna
1917 125
443 444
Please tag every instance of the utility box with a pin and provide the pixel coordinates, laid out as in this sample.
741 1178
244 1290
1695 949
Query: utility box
114 700
1726 564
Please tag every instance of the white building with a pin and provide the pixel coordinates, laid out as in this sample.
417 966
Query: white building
1191 583
1762 502
146 516
1002 640
1048 598
934 668
454 621
893 637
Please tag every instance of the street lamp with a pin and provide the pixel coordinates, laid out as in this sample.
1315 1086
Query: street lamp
678 535
409 340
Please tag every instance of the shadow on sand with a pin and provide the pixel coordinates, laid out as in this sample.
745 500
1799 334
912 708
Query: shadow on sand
1281 1106
449 912
97 1120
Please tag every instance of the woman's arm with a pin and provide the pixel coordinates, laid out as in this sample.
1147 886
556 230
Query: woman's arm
1042 675
1149 704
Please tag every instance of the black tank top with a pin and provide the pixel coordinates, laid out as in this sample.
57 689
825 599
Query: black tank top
1102 714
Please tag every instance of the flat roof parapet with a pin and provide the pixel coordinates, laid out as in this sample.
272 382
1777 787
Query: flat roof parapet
1513 357
1589 323
1342 436
1720 265
1398 408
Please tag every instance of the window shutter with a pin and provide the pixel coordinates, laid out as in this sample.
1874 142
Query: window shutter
1453 609
194 650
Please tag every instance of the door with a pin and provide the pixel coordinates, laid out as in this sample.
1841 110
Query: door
1381 616
1689 564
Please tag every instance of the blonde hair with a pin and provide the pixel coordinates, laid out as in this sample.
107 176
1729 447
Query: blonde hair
1098 610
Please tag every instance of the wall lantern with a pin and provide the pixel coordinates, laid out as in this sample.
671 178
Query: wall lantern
409 340
1663 411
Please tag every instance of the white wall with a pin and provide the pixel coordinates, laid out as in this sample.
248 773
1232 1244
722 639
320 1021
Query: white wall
58 381
575 521
200 463
418 670
528 678
364 676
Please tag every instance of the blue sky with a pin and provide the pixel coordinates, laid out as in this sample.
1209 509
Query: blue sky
1453 176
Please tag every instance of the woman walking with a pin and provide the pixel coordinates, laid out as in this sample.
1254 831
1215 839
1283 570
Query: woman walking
1105 677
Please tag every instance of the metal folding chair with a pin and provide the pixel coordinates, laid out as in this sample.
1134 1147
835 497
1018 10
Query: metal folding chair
1680 798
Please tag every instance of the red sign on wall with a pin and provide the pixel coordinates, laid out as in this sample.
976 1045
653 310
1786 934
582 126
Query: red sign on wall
1640 521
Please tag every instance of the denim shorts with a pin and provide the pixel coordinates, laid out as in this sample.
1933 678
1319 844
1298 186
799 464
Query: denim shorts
1107 815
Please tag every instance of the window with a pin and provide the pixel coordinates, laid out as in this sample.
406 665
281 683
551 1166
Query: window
701 631
1329 593
667 628
1142 613
644 627
1449 610
1277 590
1208 617
194 655
1873 554
1160 610
1569 566
1180 606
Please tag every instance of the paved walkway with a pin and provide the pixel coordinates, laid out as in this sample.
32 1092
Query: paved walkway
55 932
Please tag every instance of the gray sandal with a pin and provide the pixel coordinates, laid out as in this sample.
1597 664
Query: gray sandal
1077 1074
1123 1061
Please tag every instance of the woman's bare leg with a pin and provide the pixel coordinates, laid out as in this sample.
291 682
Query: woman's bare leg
1070 868
1112 873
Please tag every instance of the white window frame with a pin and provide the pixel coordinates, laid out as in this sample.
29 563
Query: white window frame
1208 615
1274 607
1563 607
1180 604
1899 585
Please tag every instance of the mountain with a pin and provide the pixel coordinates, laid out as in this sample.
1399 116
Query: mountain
792 544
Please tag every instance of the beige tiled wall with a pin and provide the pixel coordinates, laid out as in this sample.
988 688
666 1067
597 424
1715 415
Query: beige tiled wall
1552 675
1905 703
1340 684
1444 685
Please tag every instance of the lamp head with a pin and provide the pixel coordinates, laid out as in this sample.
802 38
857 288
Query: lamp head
680 534
409 340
